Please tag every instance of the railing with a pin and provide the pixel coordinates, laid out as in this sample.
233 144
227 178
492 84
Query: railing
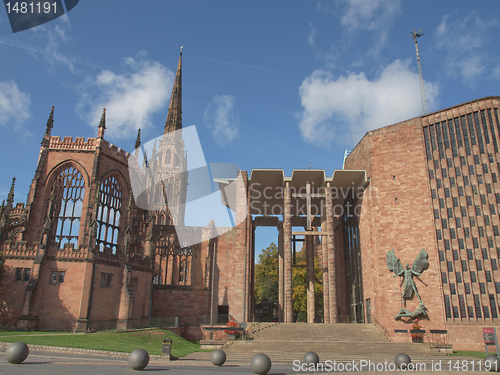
349 319
254 327
132 324
160 322
439 340
219 331
381 327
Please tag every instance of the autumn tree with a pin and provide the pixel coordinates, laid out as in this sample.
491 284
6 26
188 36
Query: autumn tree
266 275
266 281
299 280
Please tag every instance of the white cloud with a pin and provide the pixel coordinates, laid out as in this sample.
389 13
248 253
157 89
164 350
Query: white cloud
130 98
220 117
46 43
496 72
344 109
311 38
14 106
374 15
57 34
371 15
462 42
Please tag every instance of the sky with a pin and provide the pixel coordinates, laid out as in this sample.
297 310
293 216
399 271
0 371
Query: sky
268 84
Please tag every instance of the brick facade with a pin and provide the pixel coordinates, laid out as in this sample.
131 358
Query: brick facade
418 180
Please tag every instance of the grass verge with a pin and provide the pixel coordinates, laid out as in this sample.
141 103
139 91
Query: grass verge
471 353
150 340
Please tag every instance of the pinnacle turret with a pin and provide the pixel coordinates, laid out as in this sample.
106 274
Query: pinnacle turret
48 128
50 122
138 140
102 124
10 196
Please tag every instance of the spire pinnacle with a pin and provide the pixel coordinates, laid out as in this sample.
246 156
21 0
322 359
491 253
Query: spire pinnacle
174 116
138 140
145 163
10 196
102 124
50 122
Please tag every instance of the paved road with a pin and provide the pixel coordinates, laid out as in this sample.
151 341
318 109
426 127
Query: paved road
41 363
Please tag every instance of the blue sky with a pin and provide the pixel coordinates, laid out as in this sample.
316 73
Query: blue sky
269 84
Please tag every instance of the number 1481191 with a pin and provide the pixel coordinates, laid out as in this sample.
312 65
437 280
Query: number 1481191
471 365
24 7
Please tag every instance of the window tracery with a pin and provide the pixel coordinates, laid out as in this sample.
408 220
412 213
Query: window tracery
71 186
108 215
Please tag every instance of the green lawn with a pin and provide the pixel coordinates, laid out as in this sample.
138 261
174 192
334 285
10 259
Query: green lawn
24 333
150 340
470 353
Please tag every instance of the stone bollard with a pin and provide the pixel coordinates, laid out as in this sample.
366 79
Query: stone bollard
402 361
494 363
261 364
138 359
311 357
218 357
17 352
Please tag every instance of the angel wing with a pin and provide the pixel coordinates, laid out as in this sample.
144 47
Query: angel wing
421 263
393 263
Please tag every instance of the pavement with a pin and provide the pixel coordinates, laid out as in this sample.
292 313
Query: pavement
45 362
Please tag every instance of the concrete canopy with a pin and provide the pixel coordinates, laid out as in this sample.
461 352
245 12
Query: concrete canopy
267 188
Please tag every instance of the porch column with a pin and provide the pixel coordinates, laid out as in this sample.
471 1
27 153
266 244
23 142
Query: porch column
281 280
287 240
332 281
324 267
311 310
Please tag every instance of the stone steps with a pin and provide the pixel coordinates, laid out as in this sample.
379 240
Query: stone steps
286 342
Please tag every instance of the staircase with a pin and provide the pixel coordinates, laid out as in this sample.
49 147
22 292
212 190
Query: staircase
286 342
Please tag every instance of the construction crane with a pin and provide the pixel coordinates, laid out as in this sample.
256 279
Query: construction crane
415 35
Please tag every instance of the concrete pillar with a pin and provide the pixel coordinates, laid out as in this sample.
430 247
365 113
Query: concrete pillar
251 279
287 241
311 310
281 279
332 280
324 267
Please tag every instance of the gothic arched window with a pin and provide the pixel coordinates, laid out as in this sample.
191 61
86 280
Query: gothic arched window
185 258
183 272
108 214
71 189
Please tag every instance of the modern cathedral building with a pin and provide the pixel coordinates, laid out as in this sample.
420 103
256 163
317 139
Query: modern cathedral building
408 229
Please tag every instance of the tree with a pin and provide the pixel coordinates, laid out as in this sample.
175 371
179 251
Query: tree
266 281
266 275
1 266
299 289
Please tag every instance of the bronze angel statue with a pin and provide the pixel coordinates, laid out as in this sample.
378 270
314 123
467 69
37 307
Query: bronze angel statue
418 267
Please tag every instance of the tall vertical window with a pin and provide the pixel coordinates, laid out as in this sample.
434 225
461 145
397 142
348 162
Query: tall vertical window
108 214
71 186
183 272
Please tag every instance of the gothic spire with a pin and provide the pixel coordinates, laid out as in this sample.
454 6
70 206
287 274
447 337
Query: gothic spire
174 116
102 124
